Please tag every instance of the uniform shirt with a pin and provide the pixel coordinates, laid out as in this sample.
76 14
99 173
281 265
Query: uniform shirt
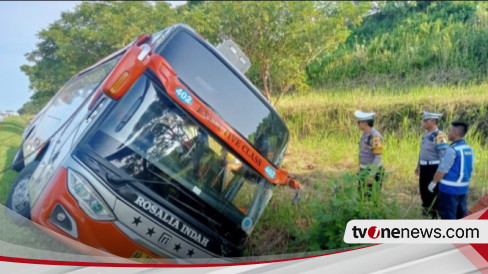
371 148
458 164
433 146
447 161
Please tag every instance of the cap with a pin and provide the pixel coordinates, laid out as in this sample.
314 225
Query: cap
364 116
432 115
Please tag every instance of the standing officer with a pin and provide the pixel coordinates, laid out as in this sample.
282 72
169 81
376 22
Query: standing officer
454 174
434 143
370 150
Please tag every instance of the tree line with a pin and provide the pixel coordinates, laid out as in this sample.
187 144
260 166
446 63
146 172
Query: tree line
292 45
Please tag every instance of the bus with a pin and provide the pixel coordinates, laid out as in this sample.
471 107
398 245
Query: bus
163 150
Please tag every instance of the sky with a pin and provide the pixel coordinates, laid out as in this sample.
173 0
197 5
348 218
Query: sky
19 23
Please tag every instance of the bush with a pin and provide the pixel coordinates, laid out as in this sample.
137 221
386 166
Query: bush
404 43
346 202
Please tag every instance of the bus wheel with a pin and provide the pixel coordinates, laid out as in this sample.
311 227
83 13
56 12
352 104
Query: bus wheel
18 200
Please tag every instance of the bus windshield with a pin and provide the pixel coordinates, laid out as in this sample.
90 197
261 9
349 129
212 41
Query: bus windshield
147 132
227 94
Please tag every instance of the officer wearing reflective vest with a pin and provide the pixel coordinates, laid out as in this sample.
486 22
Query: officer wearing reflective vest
432 148
370 150
454 174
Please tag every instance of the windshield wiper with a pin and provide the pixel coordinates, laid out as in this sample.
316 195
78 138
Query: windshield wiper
166 182
198 212
110 177
163 182
209 220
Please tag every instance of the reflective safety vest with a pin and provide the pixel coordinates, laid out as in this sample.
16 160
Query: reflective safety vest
456 181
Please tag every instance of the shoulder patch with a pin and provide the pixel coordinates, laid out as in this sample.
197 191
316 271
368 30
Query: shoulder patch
377 145
441 141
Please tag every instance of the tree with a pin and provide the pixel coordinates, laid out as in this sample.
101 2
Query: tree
280 38
83 36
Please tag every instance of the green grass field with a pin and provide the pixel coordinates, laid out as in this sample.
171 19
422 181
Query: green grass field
323 155
29 238
10 138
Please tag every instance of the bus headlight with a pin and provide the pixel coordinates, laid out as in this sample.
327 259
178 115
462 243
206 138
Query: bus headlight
31 150
88 199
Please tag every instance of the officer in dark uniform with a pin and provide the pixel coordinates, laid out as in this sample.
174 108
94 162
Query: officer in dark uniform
370 150
434 143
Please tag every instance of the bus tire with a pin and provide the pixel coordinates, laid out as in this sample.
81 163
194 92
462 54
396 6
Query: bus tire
18 202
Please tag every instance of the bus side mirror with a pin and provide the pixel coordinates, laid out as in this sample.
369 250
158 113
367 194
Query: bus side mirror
127 71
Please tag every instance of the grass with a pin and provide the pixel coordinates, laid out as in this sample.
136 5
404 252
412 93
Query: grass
323 152
10 139
27 239
439 43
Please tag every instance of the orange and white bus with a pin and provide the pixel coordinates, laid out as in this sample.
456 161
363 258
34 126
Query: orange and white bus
163 149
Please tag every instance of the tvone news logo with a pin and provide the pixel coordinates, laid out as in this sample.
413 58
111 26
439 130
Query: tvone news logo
373 232
415 231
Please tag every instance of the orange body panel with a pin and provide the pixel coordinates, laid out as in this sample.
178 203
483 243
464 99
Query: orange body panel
116 85
102 235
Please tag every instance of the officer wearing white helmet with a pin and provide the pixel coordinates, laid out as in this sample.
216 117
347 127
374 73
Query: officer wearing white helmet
432 148
370 150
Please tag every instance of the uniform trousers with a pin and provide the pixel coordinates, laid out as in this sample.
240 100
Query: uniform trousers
429 202
452 206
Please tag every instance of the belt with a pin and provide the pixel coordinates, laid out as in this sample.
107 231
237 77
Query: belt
429 163
365 166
